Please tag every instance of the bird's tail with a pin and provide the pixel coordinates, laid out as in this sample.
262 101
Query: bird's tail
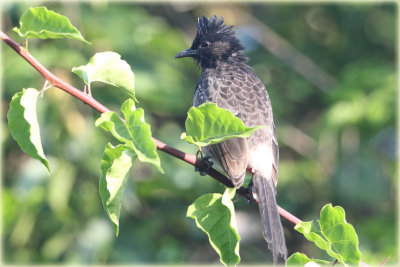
271 224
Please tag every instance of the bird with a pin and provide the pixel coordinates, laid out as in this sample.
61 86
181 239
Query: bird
229 82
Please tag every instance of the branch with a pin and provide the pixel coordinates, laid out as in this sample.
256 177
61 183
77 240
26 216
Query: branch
191 159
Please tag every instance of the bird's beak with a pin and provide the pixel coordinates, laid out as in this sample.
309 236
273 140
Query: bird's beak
186 53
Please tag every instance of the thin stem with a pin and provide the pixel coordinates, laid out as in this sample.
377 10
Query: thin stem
44 88
383 263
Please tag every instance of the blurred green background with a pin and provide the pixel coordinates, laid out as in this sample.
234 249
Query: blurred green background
330 70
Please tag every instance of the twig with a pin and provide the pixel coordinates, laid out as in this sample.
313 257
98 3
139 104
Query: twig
288 216
383 263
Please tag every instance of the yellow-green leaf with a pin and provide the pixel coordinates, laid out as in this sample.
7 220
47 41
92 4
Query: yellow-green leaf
301 259
215 215
23 124
108 67
208 124
39 22
337 237
115 167
135 133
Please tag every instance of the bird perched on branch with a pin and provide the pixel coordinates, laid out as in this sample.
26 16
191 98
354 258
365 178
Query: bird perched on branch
229 82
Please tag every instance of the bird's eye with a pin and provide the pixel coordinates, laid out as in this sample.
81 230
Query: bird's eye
205 44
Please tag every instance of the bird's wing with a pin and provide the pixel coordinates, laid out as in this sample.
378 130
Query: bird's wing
275 157
265 137
232 155
241 92
248 99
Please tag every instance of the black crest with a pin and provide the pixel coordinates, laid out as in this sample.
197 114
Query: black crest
216 42
213 26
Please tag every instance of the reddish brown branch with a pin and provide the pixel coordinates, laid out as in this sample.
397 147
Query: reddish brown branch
383 263
288 216
191 159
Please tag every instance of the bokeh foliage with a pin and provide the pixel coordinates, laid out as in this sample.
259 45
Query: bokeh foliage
338 145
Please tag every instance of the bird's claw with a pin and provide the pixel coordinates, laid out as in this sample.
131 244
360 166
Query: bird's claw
236 198
204 167
250 189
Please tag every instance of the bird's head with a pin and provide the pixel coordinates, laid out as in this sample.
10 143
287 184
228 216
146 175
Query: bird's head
214 42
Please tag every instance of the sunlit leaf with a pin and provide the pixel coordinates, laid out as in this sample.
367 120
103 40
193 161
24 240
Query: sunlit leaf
215 215
38 22
302 259
337 237
108 67
24 126
298 259
115 167
134 132
209 124
340 233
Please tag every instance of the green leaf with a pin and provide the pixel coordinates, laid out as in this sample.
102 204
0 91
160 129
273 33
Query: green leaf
340 233
301 259
108 67
38 22
134 132
215 215
115 167
298 259
23 124
208 124
337 237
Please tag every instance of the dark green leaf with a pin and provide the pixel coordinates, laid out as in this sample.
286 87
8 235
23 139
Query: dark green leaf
215 215
24 126
38 22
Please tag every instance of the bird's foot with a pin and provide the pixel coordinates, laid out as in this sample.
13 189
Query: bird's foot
205 165
250 189
236 198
